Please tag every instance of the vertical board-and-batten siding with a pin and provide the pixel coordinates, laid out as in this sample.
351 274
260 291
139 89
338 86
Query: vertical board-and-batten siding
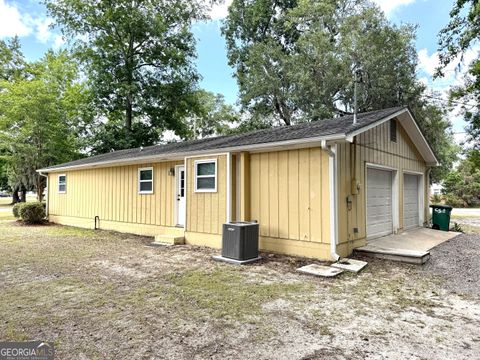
206 211
289 195
112 194
373 146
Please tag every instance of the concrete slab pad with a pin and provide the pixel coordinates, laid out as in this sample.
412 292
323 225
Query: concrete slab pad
419 239
350 265
320 270
235 262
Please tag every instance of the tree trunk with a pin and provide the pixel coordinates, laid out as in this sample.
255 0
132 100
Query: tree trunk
40 188
23 194
15 197
128 113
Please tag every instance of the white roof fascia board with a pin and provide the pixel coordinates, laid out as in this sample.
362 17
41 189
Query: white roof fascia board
413 131
181 155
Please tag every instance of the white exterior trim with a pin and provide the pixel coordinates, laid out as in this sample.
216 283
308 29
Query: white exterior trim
238 176
177 168
140 181
425 151
195 175
372 125
229 187
210 152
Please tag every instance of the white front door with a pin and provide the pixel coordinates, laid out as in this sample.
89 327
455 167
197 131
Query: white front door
379 203
411 201
180 194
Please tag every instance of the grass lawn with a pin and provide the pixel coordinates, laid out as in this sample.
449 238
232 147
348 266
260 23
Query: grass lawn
100 294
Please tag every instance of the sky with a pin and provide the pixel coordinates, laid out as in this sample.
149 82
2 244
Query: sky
28 20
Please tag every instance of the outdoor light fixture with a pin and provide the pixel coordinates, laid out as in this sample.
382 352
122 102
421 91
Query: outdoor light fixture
171 171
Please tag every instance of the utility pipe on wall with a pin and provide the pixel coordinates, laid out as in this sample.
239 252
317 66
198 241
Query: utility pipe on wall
332 171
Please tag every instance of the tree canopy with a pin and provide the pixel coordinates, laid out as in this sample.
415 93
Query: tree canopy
139 59
297 60
459 35
41 116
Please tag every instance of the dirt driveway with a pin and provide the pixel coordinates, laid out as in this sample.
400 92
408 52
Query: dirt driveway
109 296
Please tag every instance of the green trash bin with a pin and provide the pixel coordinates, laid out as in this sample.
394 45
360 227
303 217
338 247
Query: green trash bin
441 217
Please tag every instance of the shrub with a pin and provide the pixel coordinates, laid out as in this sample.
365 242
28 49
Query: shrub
436 199
454 201
32 213
457 227
16 209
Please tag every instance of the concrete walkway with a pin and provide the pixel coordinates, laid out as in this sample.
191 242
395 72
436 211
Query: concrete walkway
420 239
410 246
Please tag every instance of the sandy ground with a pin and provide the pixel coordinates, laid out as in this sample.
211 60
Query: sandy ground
105 295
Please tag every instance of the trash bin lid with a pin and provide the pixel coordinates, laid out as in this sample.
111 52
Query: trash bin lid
447 207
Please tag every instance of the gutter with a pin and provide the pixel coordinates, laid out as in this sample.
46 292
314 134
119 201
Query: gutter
332 171
47 192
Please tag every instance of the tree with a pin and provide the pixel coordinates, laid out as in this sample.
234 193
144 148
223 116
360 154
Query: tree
461 186
212 116
39 119
459 35
436 127
12 62
297 59
139 56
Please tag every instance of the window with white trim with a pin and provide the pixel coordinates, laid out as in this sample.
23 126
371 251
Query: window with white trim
206 175
145 180
62 183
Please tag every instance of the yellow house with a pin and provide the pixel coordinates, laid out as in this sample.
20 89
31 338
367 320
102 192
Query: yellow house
317 189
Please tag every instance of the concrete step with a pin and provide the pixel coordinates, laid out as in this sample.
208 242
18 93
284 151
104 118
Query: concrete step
169 240
401 255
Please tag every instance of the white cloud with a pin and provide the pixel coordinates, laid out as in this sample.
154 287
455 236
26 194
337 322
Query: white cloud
58 42
439 88
12 23
427 63
220 11
388 6
42 29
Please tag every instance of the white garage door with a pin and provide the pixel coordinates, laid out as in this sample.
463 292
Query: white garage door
410 201
379 203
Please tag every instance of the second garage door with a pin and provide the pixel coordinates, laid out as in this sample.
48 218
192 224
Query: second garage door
410 201
379 203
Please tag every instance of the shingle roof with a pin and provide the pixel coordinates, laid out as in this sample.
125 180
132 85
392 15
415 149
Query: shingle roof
322 128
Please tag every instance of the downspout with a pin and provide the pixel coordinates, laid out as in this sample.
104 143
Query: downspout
47 192
229 188
332 171
426 209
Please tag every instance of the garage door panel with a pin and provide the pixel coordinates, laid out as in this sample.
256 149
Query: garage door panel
379 203
410 201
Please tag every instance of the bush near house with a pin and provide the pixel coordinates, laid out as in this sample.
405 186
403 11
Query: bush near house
16 209
32 213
